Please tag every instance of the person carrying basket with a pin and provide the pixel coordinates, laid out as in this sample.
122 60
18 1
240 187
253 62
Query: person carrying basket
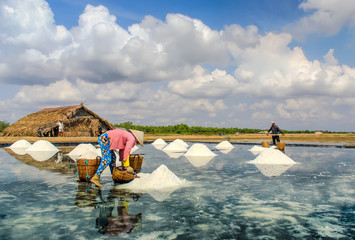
275 131
117 139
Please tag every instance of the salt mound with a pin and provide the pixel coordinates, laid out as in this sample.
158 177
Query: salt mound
175 147
272 156
159 141
257 150
42 146
199 149
224 145
81 149
181 142
89 155
21 144
161 183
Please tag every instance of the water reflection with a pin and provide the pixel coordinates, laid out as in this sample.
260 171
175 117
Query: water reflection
124 222
272 170
53 162
108 222
199 161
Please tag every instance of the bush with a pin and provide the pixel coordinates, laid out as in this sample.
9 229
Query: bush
3 125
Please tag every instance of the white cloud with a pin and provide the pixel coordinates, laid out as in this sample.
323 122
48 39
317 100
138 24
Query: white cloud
202 84
326 17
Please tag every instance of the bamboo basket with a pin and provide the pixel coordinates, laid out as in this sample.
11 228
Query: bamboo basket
265 144
135 161
281 145
119 176
86 168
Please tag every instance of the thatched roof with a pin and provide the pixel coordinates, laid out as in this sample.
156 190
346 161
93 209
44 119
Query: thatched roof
75 118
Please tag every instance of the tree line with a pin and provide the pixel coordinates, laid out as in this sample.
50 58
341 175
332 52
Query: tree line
196 130
185 129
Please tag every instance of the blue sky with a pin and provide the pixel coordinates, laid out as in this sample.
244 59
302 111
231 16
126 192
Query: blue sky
203 63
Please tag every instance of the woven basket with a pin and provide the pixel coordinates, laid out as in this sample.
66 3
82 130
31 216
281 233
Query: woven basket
86 168
281 145
119 176
135 161
265 144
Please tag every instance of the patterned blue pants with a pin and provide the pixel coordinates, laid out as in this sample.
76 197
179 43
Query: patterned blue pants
107 157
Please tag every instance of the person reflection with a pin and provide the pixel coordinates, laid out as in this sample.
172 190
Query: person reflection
86 196
124 222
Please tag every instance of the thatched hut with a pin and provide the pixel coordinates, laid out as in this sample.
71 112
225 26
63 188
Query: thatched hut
78 121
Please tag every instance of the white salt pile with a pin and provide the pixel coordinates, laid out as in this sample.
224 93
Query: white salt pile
257 150
224 145
199 149
160 183
272 156
19 147
199 155
175 147
159 143
80 150
181 142
89 155
21 144
42 150
42 146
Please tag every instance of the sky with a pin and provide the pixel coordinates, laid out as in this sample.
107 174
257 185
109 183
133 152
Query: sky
216 63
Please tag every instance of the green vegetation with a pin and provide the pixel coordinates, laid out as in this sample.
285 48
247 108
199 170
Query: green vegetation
3 125
194 130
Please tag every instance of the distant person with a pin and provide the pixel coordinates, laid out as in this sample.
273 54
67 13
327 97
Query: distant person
275 131
60 129
117 139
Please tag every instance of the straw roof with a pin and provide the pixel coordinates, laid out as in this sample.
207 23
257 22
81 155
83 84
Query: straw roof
78 121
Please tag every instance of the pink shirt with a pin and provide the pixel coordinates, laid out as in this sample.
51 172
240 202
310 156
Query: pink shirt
122 140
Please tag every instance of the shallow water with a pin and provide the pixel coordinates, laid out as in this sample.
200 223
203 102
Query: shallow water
227 199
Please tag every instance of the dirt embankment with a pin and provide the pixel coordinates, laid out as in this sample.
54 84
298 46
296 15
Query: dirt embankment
311 138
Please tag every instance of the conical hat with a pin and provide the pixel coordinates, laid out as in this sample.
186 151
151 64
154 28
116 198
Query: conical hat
139 135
